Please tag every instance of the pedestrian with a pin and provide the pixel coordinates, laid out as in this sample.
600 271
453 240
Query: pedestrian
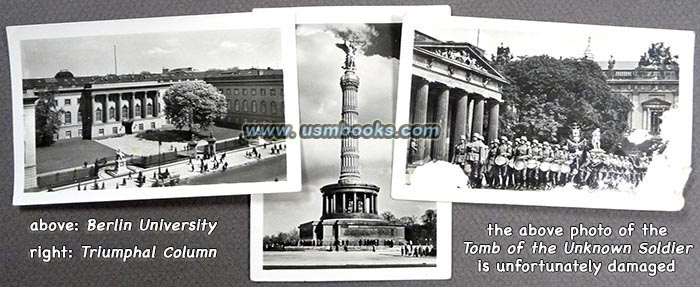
78 186
123 181
259 156
129 174
103 185
192 167
117 186
265 145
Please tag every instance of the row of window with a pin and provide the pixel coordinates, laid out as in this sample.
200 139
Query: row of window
68 116
644 87
253 92
101 132
253 106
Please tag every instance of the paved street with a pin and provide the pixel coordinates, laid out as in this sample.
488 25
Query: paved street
264 170
240 169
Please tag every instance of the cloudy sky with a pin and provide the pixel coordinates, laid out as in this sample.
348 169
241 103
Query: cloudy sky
566 41
319 70
151 52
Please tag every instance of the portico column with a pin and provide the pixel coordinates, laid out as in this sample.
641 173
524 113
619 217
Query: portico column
420 115
342 205
118 108
440 149
478 118
105 98
144 102
333 204
461 117
155 104
493 120
131 106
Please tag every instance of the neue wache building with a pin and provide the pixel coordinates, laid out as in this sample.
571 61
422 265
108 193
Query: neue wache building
111 105
455 86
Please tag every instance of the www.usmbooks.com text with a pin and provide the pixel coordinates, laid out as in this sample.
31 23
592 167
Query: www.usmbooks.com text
375 130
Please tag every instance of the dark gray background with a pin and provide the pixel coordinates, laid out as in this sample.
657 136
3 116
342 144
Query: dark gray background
231 236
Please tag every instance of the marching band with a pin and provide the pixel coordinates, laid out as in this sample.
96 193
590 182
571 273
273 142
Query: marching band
530 164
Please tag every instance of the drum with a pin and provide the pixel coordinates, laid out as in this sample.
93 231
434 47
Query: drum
544 166
532 164
554 167
520 164
501 160
467 168
565 168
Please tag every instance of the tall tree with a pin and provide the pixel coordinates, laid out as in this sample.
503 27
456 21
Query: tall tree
388 216
193 105
47 118
547 95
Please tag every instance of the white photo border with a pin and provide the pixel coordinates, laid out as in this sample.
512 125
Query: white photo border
213 22
670 192
442 270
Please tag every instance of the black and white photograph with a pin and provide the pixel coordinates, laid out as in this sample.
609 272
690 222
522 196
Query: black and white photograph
540 113
115 111
344 225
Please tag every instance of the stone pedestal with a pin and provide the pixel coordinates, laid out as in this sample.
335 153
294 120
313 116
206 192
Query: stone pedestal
350 216
120 167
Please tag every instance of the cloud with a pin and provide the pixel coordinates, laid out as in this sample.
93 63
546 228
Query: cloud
228 45
158 51
232 47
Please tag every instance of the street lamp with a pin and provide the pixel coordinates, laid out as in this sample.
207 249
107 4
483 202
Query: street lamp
159 156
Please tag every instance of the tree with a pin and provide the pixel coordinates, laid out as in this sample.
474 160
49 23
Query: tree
47 118
408 220
193 104
388 216
547 95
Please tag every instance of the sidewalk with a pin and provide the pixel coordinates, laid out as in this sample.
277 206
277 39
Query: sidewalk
181 169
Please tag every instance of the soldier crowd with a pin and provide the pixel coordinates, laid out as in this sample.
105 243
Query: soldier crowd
523 163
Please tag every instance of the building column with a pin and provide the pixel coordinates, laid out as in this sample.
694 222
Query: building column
440 149
420 115
470 116
343 204
29 108
493 120
144 103
461 117
105 99
131 106
118 108
374 204
478 117
155 104
354 202
331 203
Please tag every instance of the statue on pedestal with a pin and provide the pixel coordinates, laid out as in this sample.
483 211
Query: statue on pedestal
575 143
595 139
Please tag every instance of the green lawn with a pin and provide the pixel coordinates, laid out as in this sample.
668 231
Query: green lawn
175 135
69 153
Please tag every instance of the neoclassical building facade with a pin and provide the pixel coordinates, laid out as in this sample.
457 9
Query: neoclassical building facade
454 86
652 89
124 104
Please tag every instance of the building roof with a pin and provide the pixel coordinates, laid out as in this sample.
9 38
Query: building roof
619 65
66 79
